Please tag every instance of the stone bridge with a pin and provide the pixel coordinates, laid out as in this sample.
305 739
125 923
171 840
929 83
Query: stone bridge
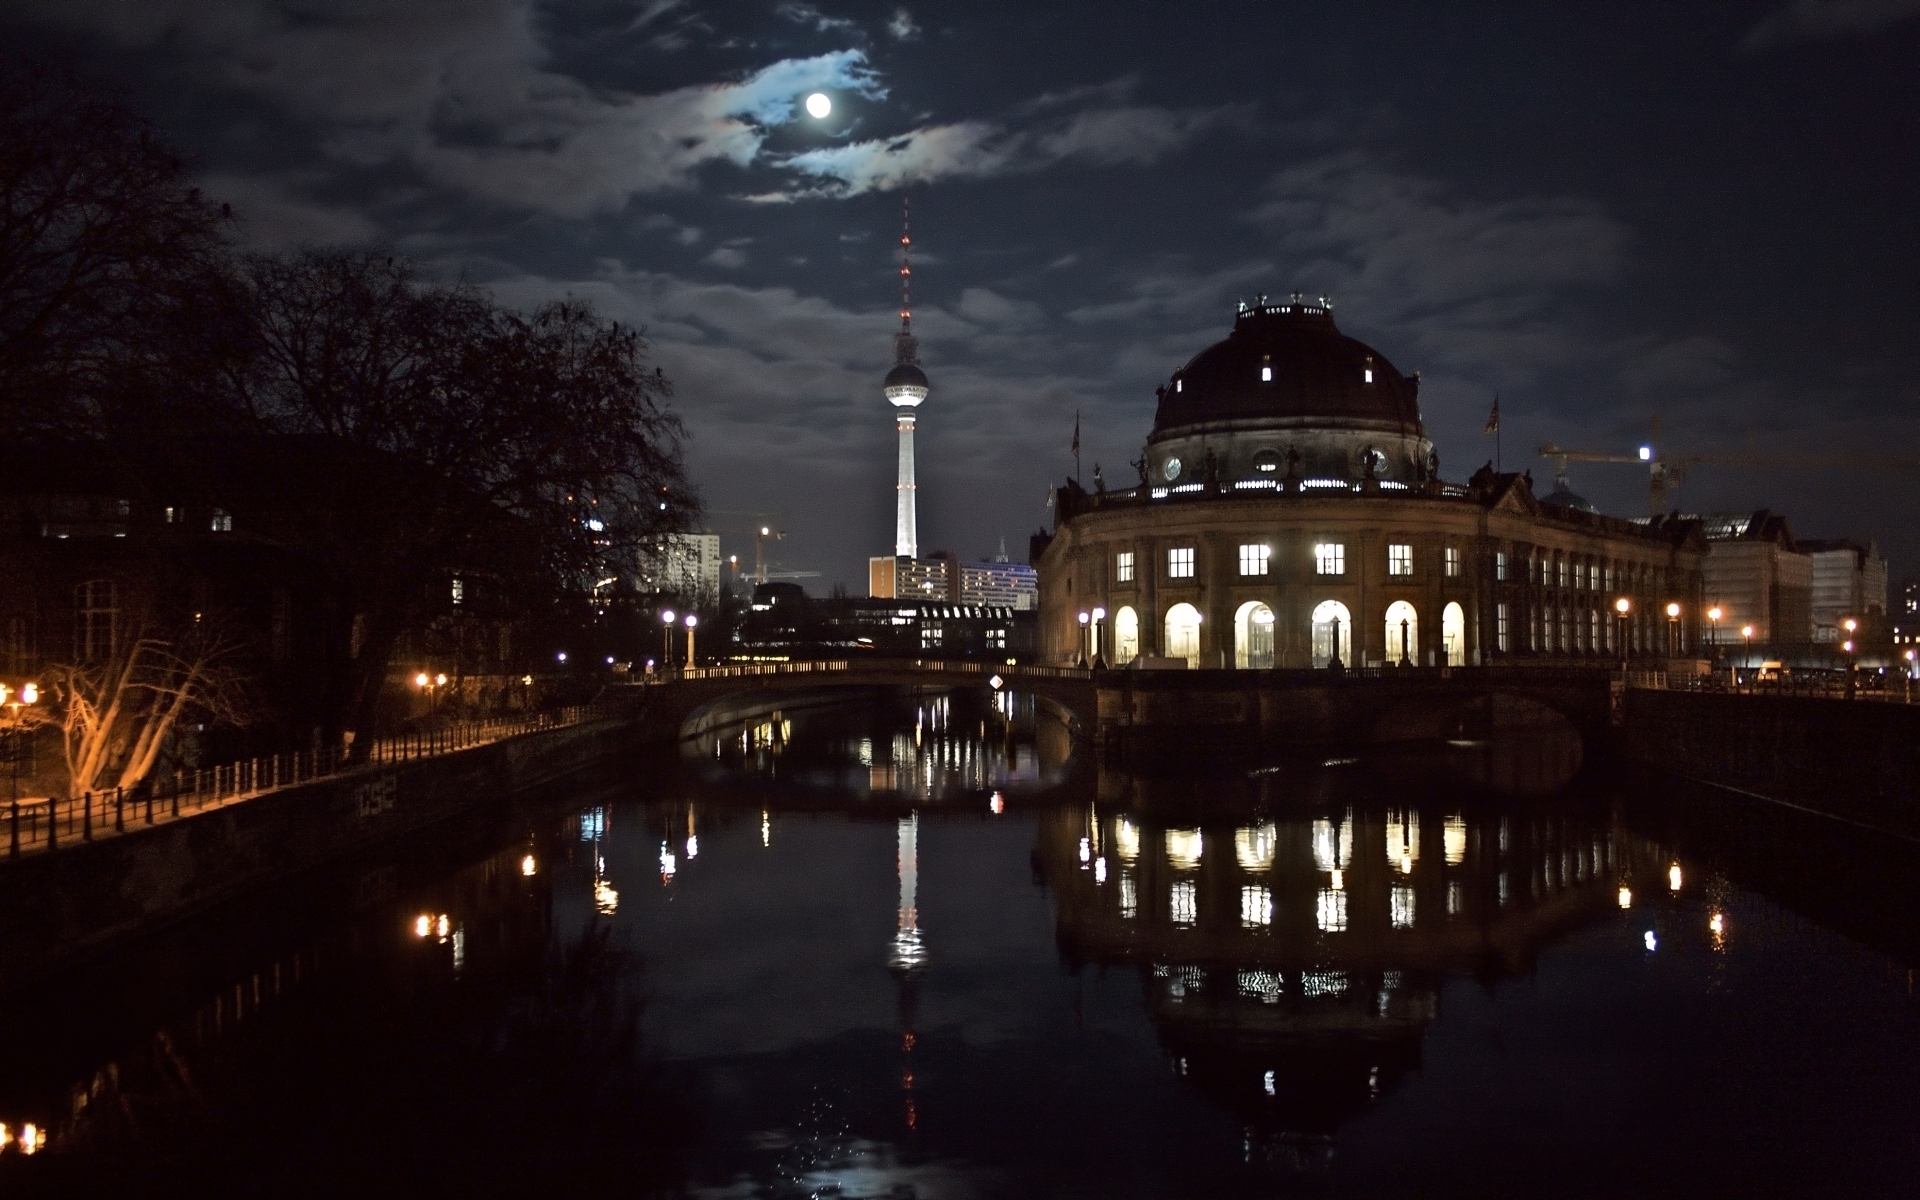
1174 712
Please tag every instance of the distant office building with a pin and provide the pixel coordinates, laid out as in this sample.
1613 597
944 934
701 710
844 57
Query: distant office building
785 624
1849 580
1759 579
682 565
943 577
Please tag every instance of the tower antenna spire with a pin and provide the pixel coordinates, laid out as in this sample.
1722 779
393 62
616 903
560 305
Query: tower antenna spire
906 347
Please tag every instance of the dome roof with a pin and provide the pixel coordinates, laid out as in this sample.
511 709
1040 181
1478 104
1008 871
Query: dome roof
1565 497
906 375
1288 362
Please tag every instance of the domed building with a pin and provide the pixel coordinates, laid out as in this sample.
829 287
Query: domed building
1290 513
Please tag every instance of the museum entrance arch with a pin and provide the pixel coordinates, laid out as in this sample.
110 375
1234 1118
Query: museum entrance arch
1183 634
1126 636
1453 634
1253 637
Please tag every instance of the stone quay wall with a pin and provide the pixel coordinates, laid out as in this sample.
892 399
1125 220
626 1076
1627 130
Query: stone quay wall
1858 760
56 908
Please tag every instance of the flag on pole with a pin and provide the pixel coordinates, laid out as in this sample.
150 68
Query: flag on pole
1493 418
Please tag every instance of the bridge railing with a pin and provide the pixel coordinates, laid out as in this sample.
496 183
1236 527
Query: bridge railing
843 665
46 824
1871 688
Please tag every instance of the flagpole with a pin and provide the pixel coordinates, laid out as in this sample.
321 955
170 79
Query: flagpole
1076 447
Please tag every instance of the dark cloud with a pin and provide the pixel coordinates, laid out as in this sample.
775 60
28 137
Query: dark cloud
1823 20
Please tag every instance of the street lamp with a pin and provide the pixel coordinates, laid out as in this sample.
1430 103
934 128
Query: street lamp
1673 630
1099 615
1083 638
1622 607
28 694
1746 631
1850 625
666 633
692 620
1908 674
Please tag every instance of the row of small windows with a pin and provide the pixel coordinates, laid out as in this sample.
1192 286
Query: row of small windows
1256 559
1580 575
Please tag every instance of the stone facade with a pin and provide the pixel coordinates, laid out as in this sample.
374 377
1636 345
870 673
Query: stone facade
1532 582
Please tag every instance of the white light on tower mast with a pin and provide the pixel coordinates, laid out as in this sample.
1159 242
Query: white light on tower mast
905 387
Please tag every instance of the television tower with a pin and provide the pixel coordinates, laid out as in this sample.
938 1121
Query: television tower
905 387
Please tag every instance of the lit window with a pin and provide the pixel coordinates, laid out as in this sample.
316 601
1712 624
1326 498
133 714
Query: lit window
1179 385
1367 375
1180 563
1123 567
1129 897
172 514
1399 559
1563 572
1183 902
1329 558
1266 374
1500 565
1500 628
1256 907
459 591
1253 559
1452 557
222 521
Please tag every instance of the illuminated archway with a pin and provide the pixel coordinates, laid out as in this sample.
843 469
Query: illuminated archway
1403 634
1332 634
1453 634
1253 637
1126 636
1183 634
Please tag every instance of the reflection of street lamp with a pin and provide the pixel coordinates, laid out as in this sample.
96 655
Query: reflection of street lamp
692 620
1673 630
666 633
1623 606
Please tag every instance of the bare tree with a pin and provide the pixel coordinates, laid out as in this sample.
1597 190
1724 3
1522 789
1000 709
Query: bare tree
105 253
116 715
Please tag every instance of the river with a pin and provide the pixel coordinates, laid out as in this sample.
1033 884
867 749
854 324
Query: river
916 948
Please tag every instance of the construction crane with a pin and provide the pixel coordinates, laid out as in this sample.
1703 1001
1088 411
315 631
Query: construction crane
763 531
1665 473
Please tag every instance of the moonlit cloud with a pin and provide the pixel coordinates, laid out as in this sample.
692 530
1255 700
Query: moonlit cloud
981 149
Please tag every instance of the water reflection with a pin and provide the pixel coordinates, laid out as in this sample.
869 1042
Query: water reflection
1291 963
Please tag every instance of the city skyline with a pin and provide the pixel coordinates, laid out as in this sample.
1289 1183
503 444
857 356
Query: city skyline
1694 215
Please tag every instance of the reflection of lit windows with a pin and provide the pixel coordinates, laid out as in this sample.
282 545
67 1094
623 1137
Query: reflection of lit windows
1254 847
593 824
1129 898
1264 986
1256 907
1456 899
1323 983
605 899
1183 849
1503 889
1330 912
1183 902
1332 845
1403 840
1455 840
1400 907
1266 1081
1126 840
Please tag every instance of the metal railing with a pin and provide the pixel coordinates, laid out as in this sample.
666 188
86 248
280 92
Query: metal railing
1868 687
758 670
50 823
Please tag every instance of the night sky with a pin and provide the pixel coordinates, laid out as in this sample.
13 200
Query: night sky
1602 212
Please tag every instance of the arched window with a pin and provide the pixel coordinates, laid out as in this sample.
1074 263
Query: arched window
1253 637
96 620
1332 634
1453 634
1126 636
1183 634
1403 634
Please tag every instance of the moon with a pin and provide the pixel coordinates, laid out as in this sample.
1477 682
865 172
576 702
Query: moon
819 105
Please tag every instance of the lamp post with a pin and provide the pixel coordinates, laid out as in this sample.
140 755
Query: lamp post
14 701
666 636
1622 607
692 621
1908 676
1673 630
1406 641
1084 618
1099 615
1746 631
1850 625
1334 662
